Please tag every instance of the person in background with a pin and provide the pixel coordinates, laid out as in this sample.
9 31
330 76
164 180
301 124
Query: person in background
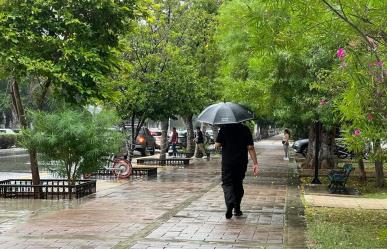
285 142
199 140
174 138
236 142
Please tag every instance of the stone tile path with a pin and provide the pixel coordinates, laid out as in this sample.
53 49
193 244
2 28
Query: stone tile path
345 202
180 208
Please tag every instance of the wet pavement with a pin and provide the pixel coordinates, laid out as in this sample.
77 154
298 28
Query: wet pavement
180 208
14 160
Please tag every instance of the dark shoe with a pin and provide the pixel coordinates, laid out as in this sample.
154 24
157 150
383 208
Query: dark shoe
229 213
238 213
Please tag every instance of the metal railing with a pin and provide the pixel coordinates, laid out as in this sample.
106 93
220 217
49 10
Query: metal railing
47 189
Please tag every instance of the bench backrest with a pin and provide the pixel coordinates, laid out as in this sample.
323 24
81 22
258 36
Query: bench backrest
347 169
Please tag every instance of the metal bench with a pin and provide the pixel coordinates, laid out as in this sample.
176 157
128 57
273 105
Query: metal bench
170 161
141 171
338 179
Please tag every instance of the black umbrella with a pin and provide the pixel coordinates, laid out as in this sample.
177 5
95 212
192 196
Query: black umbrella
225 113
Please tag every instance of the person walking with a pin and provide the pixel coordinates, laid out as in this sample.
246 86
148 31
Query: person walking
174 139
285 142
199 140
236 142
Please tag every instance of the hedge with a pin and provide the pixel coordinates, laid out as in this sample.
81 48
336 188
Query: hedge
7 140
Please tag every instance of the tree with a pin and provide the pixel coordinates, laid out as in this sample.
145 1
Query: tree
72 142
360 73
68 46
272 68
163 57
200 60
302 48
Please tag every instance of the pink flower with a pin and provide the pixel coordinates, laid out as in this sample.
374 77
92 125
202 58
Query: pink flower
340 53
370 117
323 101
379 63
357 132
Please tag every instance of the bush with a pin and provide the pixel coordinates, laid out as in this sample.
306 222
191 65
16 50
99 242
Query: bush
7 140
70 142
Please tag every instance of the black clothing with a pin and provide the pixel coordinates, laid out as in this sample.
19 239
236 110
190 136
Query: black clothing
234 140
199 137
232 184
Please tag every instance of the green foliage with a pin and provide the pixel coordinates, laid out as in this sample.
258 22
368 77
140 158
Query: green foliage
280 58
7 140
67 44
72 142
356 81
171 61
270 64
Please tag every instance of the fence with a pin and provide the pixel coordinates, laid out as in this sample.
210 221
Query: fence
47 189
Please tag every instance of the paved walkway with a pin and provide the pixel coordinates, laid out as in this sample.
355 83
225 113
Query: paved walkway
181 208
345 202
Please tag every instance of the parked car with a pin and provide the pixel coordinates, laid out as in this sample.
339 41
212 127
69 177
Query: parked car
210 137
144 140
301 146
156 133
6 131
181 138
341 151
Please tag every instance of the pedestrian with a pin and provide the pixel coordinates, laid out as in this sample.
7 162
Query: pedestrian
173 141
285 142
236 142
199 140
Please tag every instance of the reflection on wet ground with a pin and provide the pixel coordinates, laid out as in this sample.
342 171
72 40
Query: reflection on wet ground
14 163
180 208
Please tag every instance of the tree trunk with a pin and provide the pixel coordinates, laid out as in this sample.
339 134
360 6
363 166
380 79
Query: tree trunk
309 162
265 131
190 135
32 152
378 166
362 176
327 149
379 173
8 118
326 158
164 139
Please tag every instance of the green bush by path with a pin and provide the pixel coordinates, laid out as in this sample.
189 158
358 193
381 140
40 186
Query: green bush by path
72 142
7 140
346 228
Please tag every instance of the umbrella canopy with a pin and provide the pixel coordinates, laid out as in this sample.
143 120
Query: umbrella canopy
225 113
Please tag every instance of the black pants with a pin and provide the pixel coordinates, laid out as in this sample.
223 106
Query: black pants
232 178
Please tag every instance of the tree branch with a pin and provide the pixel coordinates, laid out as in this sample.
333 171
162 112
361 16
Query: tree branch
345 19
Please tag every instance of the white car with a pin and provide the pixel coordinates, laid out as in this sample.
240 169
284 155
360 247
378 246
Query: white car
156 133
6 131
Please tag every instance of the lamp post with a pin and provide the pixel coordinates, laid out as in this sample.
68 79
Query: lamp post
317 150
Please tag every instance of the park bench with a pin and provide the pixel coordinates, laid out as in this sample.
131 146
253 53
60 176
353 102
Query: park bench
141 171
136 171
338 179
170 161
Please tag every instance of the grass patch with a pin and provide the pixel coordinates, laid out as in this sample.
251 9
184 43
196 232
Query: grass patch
346 228
381 195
